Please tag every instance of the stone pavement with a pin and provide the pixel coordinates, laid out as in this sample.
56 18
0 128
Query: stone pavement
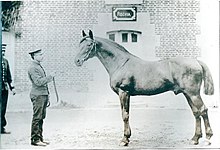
89 121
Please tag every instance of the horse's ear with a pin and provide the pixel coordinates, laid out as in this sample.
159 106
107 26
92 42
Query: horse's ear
90 34
83 33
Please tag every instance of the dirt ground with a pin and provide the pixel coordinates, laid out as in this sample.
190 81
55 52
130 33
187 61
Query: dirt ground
154 125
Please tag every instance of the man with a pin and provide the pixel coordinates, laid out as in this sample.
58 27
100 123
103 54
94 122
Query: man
6 82
39 96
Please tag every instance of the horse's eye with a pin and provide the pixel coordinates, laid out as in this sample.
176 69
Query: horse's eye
89 44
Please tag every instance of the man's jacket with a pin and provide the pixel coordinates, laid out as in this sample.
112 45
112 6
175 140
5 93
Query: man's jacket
38 79
6 75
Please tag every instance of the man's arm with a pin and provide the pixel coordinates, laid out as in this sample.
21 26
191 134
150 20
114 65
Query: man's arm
37 78
9 77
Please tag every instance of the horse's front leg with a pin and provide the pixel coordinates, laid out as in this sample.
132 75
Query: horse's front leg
125 104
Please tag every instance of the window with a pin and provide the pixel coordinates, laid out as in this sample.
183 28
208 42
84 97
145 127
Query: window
112 37
124 37
124 2
134 37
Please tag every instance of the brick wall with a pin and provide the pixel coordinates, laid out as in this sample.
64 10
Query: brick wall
55 26
175 23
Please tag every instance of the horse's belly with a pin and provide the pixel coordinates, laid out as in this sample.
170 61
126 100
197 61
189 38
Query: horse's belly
149 91
152 87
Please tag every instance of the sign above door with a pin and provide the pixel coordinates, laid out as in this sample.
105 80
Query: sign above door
124 13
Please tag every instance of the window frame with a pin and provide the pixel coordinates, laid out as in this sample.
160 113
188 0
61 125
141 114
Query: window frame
112 36
124 39
134 35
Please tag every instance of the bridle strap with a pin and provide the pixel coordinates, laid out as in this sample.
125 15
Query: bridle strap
93 47
91 50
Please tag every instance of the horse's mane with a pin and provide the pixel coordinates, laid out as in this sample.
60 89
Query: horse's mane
111 43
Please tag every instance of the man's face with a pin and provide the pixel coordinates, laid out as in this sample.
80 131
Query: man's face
39 56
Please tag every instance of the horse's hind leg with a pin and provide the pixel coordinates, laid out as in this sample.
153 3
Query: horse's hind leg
208 129
197 106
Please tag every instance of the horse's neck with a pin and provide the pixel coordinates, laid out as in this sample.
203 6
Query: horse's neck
111 57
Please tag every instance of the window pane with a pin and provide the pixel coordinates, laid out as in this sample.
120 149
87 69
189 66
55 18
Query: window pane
124 37
112 37
134 37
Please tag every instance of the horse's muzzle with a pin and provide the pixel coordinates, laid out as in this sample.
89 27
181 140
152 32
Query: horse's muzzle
78 62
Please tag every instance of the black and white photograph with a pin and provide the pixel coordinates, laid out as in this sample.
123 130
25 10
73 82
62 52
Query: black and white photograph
110 74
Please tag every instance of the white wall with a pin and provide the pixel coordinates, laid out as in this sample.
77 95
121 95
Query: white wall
148 41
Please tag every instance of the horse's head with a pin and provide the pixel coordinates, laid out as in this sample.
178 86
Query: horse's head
87 48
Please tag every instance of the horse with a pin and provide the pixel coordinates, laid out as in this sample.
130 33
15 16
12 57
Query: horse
132 76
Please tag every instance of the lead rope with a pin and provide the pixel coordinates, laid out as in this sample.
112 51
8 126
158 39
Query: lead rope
55 89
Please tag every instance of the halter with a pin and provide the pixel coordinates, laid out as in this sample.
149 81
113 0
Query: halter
91 49
94 45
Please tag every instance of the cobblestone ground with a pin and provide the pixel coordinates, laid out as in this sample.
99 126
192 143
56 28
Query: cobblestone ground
68 126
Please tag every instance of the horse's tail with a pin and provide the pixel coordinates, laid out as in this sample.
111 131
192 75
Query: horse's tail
208 81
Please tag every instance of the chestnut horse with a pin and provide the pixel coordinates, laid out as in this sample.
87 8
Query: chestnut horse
131 76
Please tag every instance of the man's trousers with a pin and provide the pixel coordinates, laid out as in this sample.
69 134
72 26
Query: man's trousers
39 113
3 108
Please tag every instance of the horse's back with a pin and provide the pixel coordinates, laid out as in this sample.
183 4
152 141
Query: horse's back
185 62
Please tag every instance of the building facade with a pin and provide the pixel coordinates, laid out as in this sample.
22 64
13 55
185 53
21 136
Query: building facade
149 29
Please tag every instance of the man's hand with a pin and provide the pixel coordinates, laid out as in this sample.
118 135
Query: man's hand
13 91
53 74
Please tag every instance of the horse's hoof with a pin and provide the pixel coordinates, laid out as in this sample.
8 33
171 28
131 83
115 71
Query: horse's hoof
195 139
123 143
207 142
193 142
